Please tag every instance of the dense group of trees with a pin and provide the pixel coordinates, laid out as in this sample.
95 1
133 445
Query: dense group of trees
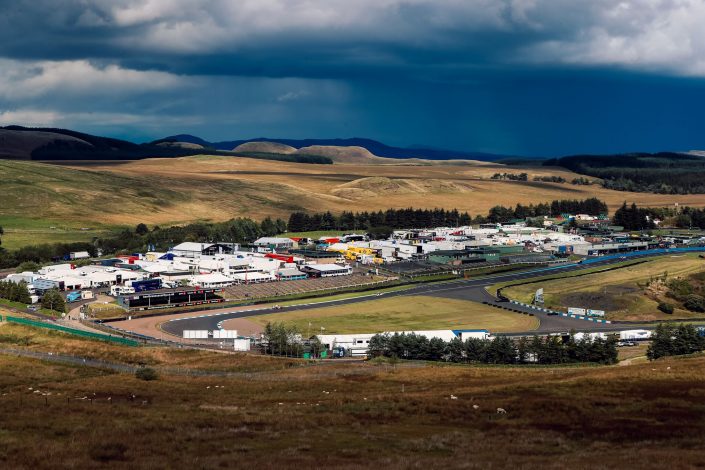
633 218
499 350
581 181
392 218
240 230
591 206
281 339
672 340
510 176
426 218
15 291
663 173
691 217
550 179
43 253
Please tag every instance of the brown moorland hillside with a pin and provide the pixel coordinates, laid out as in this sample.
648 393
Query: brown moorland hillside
20 144
343 415
265 147
219 188
183 145
345 154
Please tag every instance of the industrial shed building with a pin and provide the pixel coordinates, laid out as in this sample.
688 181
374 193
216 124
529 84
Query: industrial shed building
196 250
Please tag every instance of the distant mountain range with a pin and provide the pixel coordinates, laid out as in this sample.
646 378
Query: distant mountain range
22 143
376 148
17 142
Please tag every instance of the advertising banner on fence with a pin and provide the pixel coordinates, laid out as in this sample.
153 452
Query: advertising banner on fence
596 313
576 311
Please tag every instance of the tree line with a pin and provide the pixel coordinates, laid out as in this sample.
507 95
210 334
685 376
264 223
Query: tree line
19 292
15 292
392 218
240 230
590 206
632 217
427 218
663 173
281 339
672 340
499 350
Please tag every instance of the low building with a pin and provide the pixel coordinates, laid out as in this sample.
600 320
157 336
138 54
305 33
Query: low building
326 270
290 274
169 298
196 250
274 243
211 280
252 277
601 249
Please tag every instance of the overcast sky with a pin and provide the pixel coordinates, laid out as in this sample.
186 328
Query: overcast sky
528 77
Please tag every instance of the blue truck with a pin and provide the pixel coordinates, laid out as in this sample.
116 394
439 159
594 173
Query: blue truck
147 284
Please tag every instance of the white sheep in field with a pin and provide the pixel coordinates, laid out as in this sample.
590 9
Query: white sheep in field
453 397
501 411
475 407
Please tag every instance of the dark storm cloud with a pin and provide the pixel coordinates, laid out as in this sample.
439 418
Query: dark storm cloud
336 38
464 73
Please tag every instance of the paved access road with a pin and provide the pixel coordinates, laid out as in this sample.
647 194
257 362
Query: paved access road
470 289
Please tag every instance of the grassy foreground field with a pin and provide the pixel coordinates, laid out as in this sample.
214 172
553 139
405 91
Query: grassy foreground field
403 313
620 292
363 415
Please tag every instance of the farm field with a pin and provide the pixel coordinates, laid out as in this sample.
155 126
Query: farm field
403 313
392 415
620 292
111 194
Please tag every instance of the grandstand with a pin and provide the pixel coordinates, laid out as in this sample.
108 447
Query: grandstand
275 289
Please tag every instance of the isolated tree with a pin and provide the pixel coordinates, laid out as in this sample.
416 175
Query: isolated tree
146 373
141 229
661 342
28 266
53 300
268 227
21 293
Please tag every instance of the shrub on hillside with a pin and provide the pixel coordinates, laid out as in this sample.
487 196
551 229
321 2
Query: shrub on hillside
694 303
679 289
665 307
146 373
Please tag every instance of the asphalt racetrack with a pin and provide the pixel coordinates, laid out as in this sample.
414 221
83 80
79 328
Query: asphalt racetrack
470 289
